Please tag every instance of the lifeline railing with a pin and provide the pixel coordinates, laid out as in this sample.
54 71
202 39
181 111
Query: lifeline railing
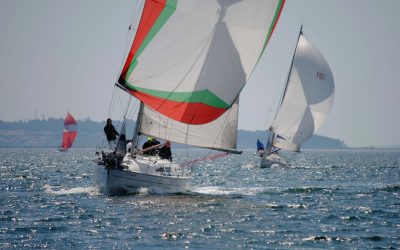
209 157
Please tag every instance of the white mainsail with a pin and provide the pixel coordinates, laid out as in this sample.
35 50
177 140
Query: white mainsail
307 100
220 134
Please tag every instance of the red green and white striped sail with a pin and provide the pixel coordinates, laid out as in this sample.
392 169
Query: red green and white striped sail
70 132
191 58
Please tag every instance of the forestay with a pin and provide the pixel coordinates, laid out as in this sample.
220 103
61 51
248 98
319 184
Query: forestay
190 59
308 98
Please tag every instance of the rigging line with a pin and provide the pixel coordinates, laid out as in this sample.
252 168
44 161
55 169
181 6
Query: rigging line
121 103
283 93
138 21
189 164
128 105
139 7
133 110
124 115
272 108
132 114
135 14
110 108
290 69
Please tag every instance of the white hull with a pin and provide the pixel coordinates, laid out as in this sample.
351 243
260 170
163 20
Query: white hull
151 173
268 161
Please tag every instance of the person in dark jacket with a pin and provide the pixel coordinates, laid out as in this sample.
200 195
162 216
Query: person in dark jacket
150 143
147 144
260 146
165 151
111 133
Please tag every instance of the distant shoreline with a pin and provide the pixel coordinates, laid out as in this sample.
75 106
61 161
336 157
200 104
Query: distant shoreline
48 133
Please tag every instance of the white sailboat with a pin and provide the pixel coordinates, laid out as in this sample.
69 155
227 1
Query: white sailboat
187 65
306 102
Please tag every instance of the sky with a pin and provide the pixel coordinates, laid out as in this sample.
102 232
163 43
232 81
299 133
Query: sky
58 56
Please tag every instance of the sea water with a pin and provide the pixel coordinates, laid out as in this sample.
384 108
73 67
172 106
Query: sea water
324 199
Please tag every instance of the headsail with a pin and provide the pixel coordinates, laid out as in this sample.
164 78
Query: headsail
70 132
190 59
308 98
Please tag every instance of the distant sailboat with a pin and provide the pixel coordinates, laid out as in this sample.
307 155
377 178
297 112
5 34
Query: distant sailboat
187 65
70 132
305 104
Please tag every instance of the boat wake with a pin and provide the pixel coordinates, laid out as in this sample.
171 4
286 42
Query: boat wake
56 190
213 190
200 191
249 165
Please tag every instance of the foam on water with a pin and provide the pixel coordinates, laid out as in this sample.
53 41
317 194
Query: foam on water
250 165
92 190
214 190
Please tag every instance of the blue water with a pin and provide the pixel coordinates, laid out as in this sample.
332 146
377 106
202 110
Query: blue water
326 199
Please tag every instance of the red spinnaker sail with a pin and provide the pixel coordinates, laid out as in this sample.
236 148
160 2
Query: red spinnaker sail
70 132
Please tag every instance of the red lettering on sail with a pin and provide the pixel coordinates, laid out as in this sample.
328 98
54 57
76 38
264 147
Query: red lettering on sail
320 75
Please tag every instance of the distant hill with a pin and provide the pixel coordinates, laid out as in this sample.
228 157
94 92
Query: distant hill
48 133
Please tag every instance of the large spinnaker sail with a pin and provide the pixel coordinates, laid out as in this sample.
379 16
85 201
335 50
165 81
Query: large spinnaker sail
219 134
190 59
308 98
70 131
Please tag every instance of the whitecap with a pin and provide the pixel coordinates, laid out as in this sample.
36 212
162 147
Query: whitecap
91 190
214 190
249 165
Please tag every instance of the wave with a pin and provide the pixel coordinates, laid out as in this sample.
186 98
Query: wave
249 191
92 190
327 238
249 165
298 206
305 189
391 188
273 206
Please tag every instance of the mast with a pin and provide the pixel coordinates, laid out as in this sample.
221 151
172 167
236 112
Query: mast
290 69
272 134
135 139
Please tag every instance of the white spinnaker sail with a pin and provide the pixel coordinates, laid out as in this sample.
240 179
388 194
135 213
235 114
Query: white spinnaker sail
191 58
308 98
219 134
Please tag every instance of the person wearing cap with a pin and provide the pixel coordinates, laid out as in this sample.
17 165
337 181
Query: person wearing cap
165 151
147 144
151 142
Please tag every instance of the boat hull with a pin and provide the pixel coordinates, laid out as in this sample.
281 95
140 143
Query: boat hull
272 159
126 180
